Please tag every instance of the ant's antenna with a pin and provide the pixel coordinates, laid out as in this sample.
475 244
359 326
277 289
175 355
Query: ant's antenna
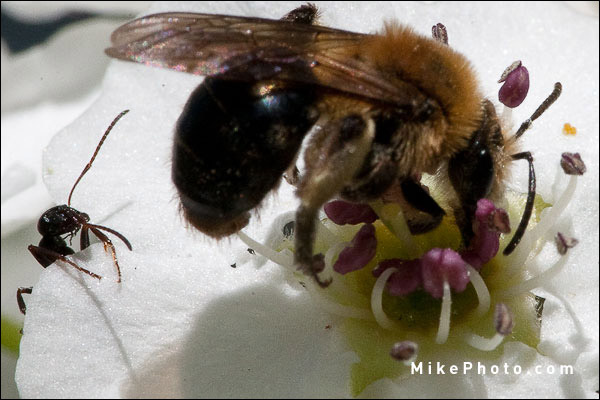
89 165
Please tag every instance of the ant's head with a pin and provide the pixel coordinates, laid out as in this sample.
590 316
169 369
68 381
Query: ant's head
61 220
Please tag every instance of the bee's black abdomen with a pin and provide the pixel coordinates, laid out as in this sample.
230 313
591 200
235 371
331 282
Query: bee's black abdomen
233 142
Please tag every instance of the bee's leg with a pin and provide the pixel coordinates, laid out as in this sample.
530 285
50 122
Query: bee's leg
377 174
292 174
306 14
429 214
332 159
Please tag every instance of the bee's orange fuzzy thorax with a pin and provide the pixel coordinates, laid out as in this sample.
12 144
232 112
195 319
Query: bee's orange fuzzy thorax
440 72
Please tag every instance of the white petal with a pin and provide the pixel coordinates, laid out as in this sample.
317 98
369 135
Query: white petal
184 323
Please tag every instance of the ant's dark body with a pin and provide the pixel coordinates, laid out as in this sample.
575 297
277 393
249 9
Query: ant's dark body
60 222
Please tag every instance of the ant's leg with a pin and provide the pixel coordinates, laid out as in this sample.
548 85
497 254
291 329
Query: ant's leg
332 159
107 244
117 234
55 244
20 301
84 238
45 254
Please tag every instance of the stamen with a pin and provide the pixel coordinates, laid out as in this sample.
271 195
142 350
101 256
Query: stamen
342 213
324 234
444 327
564 243
555 212
516 85
397 225
265 251
537 281
483 294
531 237
338 285
506 117
483 344
439 33
503 322
359 253
377 300
275 238
332 252
275 234
405 351
503 319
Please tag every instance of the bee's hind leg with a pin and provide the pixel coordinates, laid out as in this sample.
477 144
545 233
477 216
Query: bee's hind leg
332 159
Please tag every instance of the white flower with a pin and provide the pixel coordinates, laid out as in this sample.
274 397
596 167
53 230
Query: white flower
185 323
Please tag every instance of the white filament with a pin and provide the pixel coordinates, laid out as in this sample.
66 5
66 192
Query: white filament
338 285
324 234
506 118
332 252
397 225
483 294
444 327
377 300
530 238
278 258
539 280
482 343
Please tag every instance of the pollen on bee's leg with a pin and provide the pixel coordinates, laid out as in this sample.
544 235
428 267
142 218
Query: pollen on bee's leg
444 326
503 323
405 351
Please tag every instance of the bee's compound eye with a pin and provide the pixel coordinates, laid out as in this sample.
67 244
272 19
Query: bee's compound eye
483 173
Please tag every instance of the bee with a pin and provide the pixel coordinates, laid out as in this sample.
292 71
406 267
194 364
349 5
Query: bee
388 107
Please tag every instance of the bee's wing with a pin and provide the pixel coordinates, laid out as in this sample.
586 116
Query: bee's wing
253 49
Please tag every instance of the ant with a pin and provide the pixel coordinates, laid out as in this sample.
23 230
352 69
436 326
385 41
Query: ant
65 220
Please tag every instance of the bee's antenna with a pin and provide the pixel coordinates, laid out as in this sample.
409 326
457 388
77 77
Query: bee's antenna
540 110
528 204
527 155
89 164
